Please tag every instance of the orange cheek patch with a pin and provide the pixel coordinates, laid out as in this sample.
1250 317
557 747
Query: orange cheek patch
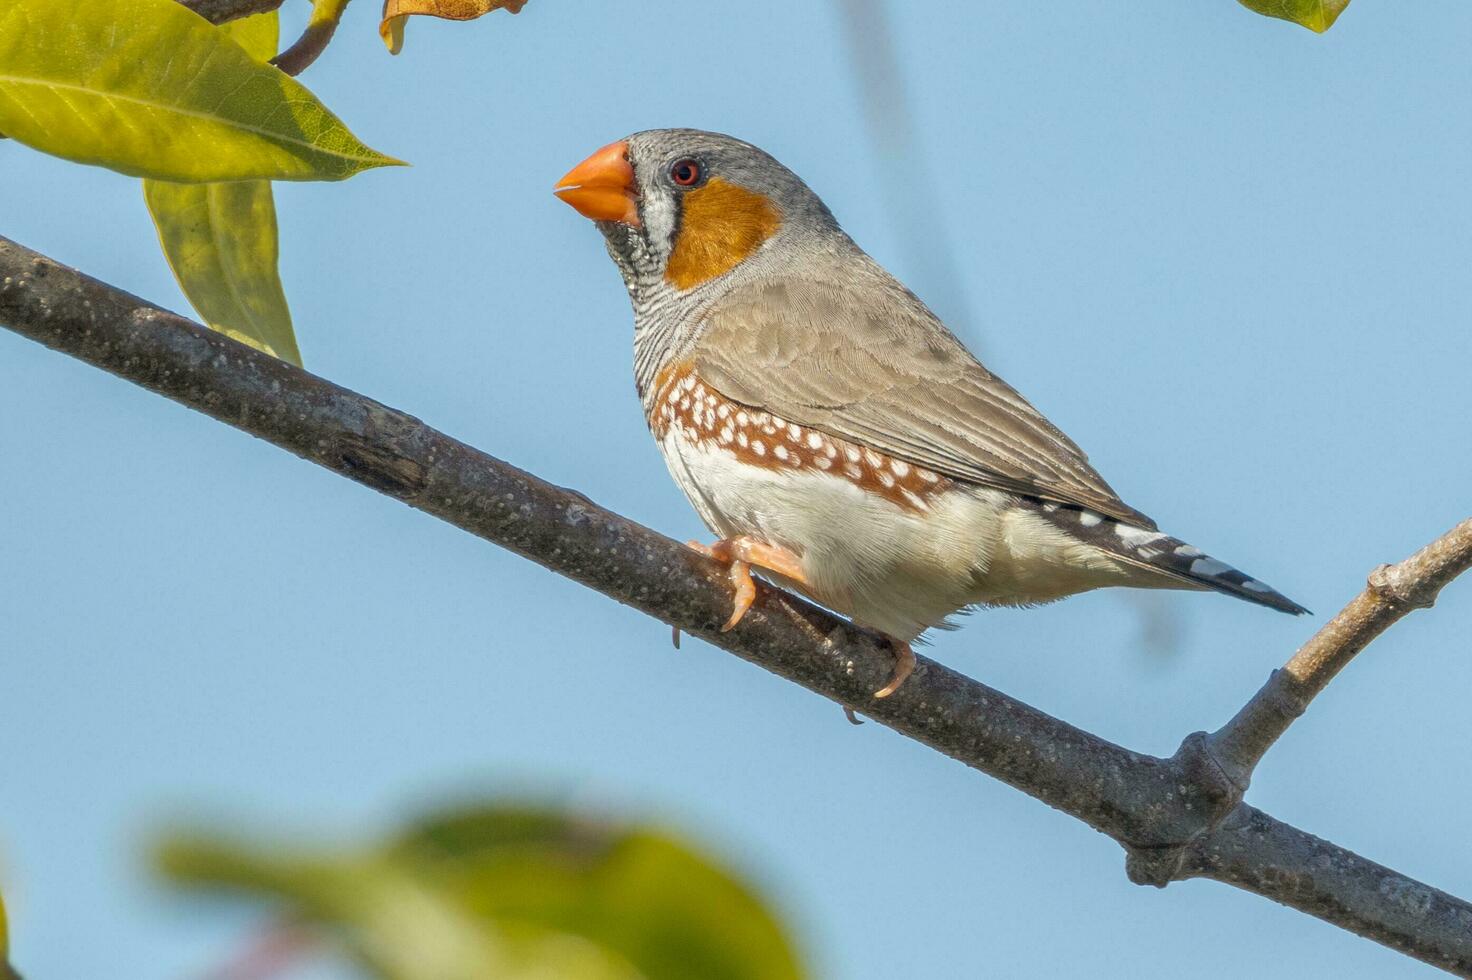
721 225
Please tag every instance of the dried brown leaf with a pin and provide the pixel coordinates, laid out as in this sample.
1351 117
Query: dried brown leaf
396 12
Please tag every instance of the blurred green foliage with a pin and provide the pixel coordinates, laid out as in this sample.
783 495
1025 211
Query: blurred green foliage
6 971
508 891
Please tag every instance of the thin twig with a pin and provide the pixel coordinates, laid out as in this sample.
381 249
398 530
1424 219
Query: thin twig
318 32
1391 593
1176 817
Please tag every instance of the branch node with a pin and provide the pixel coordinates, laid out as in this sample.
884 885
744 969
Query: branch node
1154 866
1205 790
1388 584
1284 694
1239 745
1209 778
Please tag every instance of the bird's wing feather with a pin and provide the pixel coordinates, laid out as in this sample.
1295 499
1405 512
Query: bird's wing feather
867 362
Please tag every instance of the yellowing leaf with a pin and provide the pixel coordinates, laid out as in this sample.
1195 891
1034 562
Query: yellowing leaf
220 239
148 88
327 11
259 35
1316 15
395 12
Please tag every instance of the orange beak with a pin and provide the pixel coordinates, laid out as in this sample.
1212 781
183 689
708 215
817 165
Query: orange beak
602 186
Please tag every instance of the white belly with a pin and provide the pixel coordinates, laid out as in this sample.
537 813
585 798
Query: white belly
893 568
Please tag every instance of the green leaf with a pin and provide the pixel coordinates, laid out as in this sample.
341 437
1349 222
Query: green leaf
148 88
1317 15
389 921
327 11
220 239
543 890
672 911
259 35
7 972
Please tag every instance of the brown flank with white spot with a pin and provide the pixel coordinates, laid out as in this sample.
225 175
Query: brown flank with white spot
759 438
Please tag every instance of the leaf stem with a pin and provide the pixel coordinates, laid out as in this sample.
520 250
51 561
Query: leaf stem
326 15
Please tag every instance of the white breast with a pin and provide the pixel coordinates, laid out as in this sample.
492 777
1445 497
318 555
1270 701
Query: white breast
897 571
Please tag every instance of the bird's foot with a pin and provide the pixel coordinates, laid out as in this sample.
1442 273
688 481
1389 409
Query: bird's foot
741 554
904 665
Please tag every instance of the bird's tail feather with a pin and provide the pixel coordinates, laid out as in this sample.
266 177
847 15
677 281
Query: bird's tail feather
1159 552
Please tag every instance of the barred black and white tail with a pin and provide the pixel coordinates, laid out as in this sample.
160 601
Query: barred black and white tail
1159 552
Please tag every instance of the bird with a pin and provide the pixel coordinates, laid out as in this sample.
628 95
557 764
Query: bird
829 429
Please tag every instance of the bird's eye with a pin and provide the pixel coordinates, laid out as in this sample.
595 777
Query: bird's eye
685 172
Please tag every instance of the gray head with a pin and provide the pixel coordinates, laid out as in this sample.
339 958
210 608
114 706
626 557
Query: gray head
683 209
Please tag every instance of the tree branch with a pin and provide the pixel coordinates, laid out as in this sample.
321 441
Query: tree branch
1391 593
1176 817
1258 854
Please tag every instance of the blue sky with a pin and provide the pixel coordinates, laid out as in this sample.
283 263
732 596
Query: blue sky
1226 255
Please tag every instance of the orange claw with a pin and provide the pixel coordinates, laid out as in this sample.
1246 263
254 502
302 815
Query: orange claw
904 665
745 593
742 553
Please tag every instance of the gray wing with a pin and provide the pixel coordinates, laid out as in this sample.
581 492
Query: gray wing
867 362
